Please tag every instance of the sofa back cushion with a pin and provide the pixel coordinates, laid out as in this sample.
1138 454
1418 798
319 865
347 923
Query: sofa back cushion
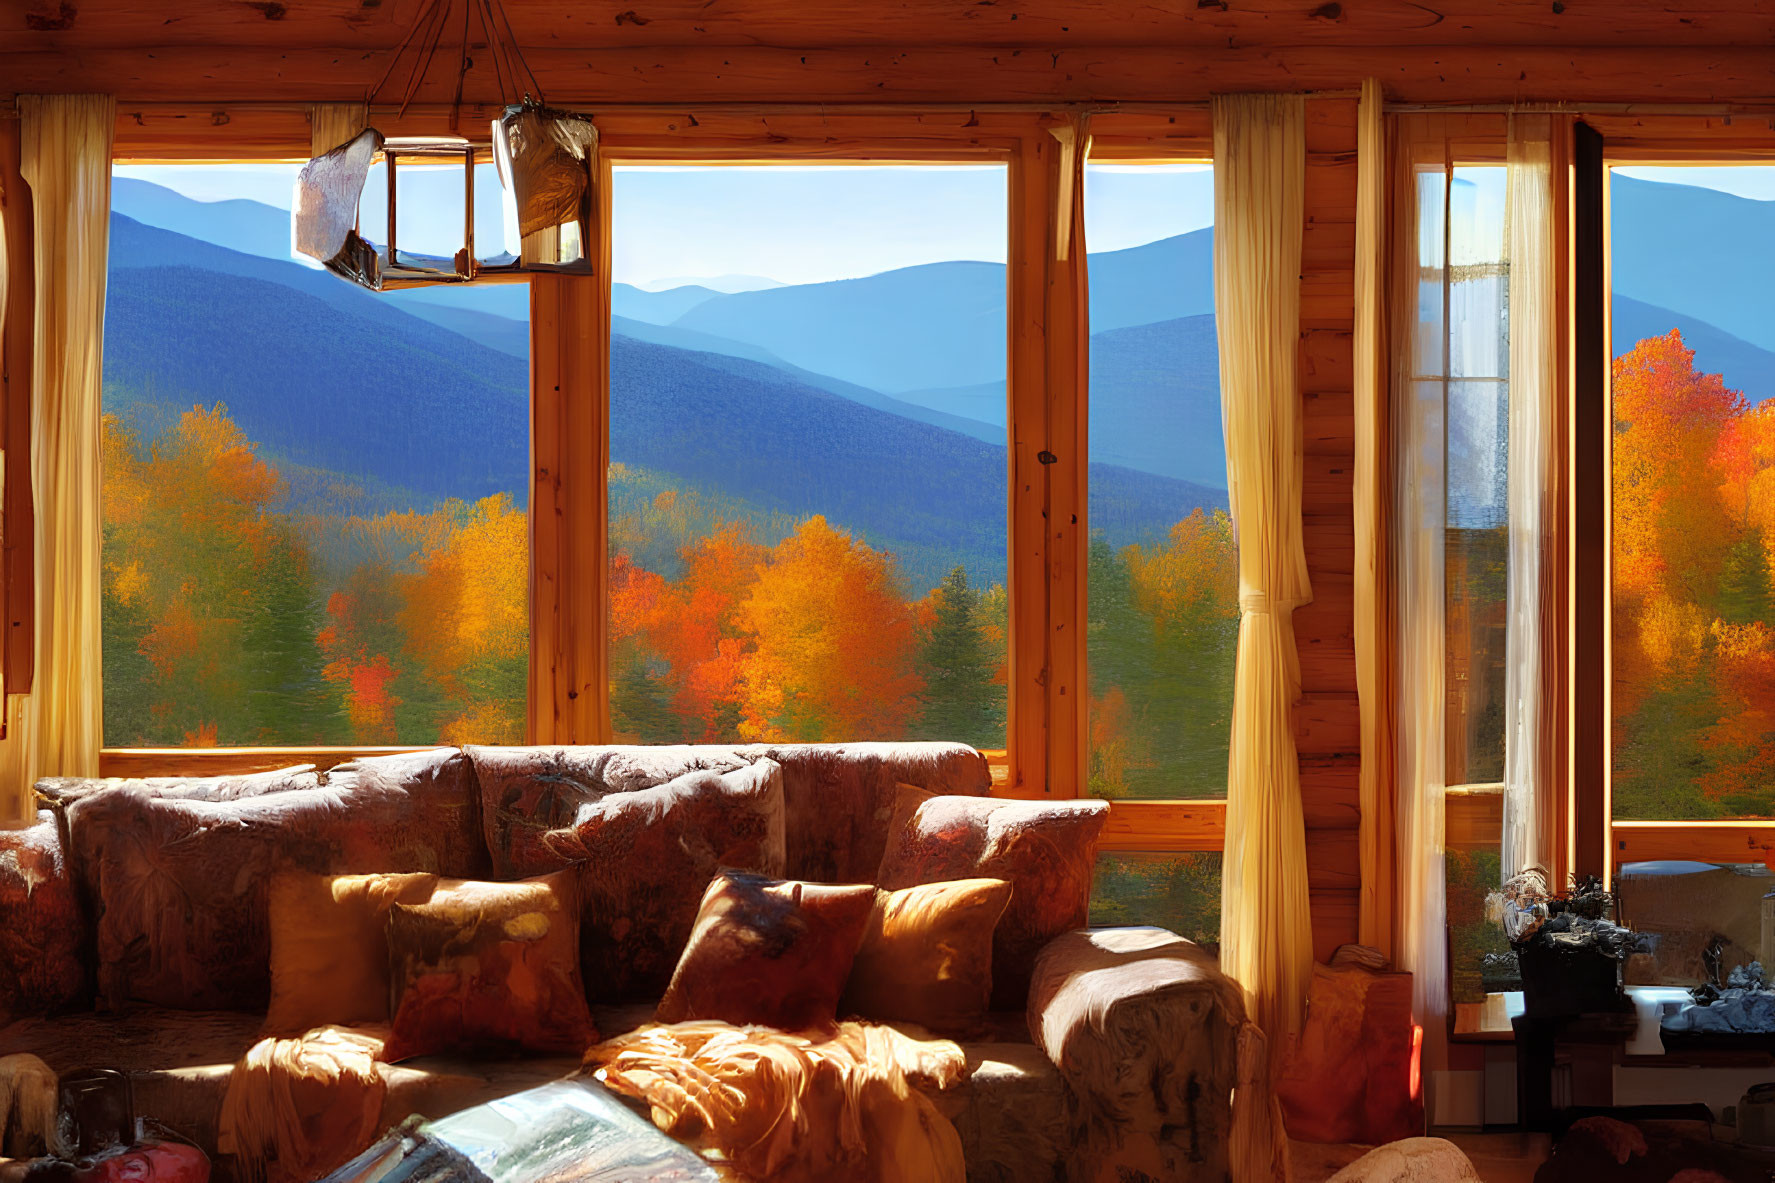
62 791
529 791
1046 851
42 939
178 888
644 859
841 798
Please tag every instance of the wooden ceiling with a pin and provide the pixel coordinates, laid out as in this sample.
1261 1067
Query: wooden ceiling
963 51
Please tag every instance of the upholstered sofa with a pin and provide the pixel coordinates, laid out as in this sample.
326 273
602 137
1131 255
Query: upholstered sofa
134 935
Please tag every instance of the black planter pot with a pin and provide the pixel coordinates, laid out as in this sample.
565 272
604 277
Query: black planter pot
1559 980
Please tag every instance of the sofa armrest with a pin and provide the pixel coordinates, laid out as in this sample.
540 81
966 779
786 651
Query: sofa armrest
1166 1079
43 942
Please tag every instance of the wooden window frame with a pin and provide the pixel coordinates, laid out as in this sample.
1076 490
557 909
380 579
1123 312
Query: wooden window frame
1045 752
1157 826
1652 140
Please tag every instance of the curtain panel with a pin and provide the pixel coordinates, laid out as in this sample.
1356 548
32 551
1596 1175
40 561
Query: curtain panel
1371 600
66 159
1259 182
1533 368
1419 523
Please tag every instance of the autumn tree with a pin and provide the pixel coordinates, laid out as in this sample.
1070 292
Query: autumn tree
1162 631
961 703
832 643
209 594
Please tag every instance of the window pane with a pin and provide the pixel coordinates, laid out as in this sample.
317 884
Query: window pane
1473 875
1180 892
1476 546
1693 625
314 512
1704 919
1163 580
808 470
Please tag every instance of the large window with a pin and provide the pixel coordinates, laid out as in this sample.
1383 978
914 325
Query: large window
1693 492
1163 581
1461 397
314 511
808 472
1692 654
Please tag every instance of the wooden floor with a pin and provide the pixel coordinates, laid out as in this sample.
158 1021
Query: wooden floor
1499 1158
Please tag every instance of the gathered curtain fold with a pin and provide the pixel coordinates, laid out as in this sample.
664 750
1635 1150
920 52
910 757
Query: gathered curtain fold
1419 524
1259 194
66 159
1369 586
1533 361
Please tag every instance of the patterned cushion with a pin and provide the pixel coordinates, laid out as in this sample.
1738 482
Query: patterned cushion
645 858
769 952
1046 851
329 946
179 888
926 955
841 798
488 966
42 938
527 792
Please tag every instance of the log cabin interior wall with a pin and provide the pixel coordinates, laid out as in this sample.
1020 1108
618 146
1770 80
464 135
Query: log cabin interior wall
222 79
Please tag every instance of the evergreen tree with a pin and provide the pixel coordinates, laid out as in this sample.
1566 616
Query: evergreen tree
960 701
1744 581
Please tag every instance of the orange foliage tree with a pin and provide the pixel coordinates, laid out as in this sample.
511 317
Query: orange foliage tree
833 640
208 593
1693 651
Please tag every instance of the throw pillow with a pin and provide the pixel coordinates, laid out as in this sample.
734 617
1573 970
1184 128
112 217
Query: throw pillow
840 798
644 859
329 946
1046 851
488 966
527 792
179 889
926 955
769 952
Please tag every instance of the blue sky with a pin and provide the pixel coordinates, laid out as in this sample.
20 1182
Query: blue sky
807 224
788 224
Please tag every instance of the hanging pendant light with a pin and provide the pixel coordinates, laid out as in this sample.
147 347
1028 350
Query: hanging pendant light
545 159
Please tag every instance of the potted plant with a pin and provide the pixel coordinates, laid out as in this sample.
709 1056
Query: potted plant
1568 948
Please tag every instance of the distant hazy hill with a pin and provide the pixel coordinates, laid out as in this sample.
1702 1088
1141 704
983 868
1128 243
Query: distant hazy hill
358 387
240 225
1155 399
404 405
1699 252
1744 367
858 329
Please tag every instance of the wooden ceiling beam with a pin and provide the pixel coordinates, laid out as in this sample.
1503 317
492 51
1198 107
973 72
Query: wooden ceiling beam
928 75
67 26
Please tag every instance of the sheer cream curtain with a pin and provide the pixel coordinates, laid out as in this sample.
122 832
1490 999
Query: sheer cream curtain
1533 344
66 159
1420 517
1259 177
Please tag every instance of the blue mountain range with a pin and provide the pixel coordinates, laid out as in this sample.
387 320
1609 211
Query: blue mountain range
815 398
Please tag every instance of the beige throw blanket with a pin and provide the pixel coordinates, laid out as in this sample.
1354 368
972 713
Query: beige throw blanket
795 1108
298 1108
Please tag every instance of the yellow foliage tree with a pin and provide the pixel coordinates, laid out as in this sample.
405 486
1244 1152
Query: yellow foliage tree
832 642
